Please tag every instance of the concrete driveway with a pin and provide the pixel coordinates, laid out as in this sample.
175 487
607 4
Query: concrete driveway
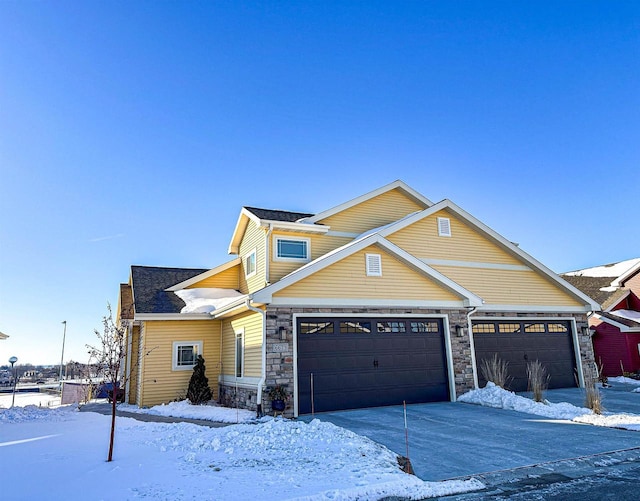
448 440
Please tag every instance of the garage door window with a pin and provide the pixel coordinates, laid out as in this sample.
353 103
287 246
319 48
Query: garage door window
483 328
316 327
355 327
509 328
557 328
392 327
424 326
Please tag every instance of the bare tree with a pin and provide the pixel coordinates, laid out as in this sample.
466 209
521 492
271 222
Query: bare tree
108 357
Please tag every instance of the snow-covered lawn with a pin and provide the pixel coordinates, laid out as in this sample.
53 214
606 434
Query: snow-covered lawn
494 396
184 409
60 453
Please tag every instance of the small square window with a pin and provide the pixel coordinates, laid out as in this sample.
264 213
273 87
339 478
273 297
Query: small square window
185 354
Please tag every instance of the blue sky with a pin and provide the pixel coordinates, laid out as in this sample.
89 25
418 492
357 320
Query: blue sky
132 133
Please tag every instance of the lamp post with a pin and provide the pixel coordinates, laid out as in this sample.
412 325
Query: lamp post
64 335
12 361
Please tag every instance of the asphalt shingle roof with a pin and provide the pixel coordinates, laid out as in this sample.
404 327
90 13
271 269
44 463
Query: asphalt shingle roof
591 287
624 321
278 215
149 283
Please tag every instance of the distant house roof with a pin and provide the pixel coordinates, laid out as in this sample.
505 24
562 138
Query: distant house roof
602 282
277 215
149 284
597 288
620 319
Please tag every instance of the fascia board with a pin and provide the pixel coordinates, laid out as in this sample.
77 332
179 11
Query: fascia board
206 274
494 235
626 275
526 308
241 225
418 197
299 227
617 300
622 327
232 308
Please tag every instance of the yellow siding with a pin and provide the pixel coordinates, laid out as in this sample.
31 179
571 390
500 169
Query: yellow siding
509 286
375 212
228 279
320 245
254 238
160 383
347 279
251 323
135 369
465 244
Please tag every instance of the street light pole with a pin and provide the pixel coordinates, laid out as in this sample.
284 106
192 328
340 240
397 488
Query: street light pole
64 335
12 361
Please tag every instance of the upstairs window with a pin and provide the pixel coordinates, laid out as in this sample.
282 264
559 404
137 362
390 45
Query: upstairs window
291 249
250 264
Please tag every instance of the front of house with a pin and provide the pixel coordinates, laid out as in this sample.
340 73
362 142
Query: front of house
386 298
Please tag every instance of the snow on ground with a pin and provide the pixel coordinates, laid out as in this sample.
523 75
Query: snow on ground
29 398
183 409
625 380
494 396
273 458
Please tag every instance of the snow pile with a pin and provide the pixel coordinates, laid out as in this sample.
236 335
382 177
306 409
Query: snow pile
34 413
625 380
608 270
274 458
183 409
627 314
494 396
206 300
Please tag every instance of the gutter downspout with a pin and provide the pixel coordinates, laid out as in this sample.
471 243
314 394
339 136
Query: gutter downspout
472 346
263 376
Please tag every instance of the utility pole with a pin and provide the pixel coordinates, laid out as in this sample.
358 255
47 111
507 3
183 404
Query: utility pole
64 335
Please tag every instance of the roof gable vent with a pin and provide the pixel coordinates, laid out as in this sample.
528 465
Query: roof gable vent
444 227
374 265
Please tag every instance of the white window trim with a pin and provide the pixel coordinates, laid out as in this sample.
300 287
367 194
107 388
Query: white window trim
253 253
174 354
277 238
372 272
239 333
441 221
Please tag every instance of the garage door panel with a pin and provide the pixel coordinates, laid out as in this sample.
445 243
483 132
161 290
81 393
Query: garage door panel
353 370
553 350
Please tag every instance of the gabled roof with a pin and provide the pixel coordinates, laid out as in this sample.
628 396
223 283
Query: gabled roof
405 188
292 221
604 283
149 288
277 215
265 295
495 237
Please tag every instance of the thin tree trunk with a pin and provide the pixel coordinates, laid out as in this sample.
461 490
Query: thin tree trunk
113 422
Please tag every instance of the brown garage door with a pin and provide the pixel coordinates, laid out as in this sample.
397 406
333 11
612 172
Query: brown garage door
370 362
519 342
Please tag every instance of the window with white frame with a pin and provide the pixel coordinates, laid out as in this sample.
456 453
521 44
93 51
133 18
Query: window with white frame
239 354
291 249
250 264
185 354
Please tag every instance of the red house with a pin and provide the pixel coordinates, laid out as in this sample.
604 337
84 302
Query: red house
616 328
